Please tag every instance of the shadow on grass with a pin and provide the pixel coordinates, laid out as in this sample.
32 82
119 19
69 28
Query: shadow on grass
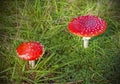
114 74
5 25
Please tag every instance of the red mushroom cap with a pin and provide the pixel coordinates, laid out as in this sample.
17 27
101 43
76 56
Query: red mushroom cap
30 50
87 26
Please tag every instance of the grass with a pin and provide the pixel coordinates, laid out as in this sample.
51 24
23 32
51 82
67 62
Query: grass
65 60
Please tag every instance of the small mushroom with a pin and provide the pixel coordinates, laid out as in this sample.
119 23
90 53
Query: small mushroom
87 26
30 51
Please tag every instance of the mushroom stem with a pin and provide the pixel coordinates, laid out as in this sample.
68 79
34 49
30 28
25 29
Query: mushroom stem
32 63
86 41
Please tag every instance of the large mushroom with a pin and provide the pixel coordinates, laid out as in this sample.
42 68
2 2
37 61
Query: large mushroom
30 51
87 26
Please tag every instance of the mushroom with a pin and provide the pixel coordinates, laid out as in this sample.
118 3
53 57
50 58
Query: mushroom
87 26
30 51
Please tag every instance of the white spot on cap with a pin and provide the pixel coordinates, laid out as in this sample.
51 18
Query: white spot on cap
91 32
25 56
81 32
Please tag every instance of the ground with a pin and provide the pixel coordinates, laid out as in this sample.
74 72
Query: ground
65 60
